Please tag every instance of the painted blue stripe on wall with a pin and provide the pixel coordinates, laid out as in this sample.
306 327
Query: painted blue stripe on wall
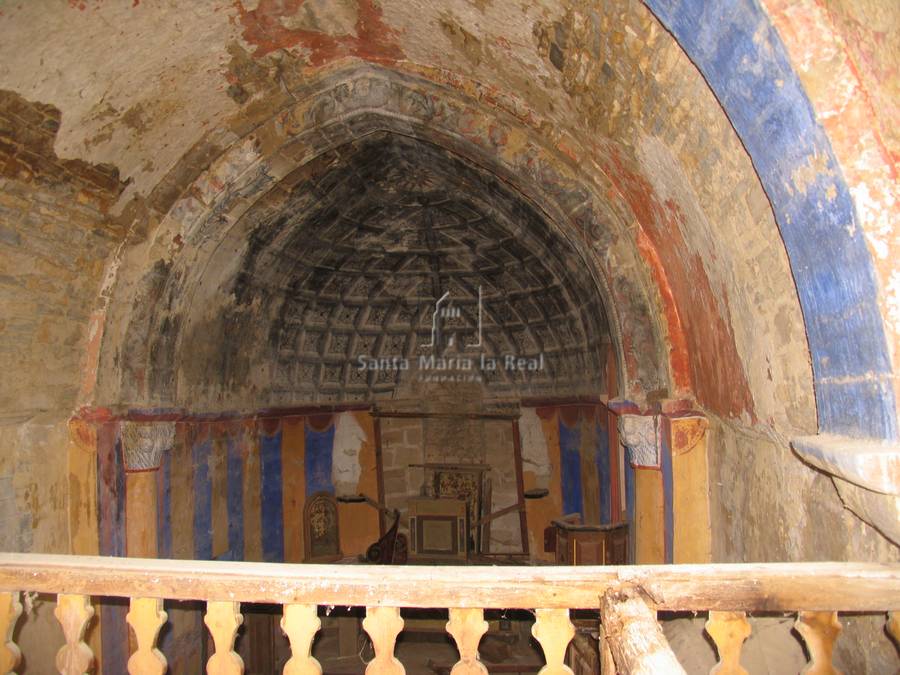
745 63
119 530
114 634
668 493
111 506
203 527
570 465
110 491
164 507
604 472
235 499
319 446
272 524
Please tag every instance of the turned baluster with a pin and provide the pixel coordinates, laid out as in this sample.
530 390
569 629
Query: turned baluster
223 620
728 630
467 626
554 632
74 612
146 617
10 611
301 623
820 631
383 624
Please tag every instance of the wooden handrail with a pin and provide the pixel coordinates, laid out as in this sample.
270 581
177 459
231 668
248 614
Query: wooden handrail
857 587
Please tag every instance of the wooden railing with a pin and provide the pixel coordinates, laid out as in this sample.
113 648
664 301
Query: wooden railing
627 597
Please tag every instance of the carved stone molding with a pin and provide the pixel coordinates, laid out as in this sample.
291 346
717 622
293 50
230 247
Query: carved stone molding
640 435
143 444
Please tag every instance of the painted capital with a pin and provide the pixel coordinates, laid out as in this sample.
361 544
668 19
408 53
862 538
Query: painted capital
687 432
640 435
143 444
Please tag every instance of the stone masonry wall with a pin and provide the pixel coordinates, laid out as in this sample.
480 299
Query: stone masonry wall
54 243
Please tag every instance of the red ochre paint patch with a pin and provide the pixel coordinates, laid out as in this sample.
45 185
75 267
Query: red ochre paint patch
263 28
570 414
545 412
703 354
678 350
320 423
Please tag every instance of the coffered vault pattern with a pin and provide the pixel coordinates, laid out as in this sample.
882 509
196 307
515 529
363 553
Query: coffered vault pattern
351 262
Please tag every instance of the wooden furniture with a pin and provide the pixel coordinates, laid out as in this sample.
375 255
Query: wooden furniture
391 547
632 636
470 483
321 541
589 544
438 529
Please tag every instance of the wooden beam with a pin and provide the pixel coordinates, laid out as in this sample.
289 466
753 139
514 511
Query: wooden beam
775 587
379 474
520 486
90 414
452 467
538 402
634 636
446 415
498 514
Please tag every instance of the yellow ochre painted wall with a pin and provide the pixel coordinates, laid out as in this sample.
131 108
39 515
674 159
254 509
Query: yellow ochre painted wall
649 517
692 537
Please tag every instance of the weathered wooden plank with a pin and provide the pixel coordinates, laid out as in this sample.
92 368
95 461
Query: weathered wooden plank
607 662
520 485
467 626
728 630
146 617
383 624
497 514
74 612
727 587
820 631
634 636
554 631
10 611
301 623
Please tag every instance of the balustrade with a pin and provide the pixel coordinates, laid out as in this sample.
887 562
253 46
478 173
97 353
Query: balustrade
626 597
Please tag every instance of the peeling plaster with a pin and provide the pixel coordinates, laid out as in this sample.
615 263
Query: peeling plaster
349 438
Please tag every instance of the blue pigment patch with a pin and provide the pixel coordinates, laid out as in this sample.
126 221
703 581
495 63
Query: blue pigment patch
745 63
272 506
203 528
570 464
318 459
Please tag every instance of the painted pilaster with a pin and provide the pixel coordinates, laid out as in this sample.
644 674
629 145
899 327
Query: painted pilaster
687 441
143 446
640 434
